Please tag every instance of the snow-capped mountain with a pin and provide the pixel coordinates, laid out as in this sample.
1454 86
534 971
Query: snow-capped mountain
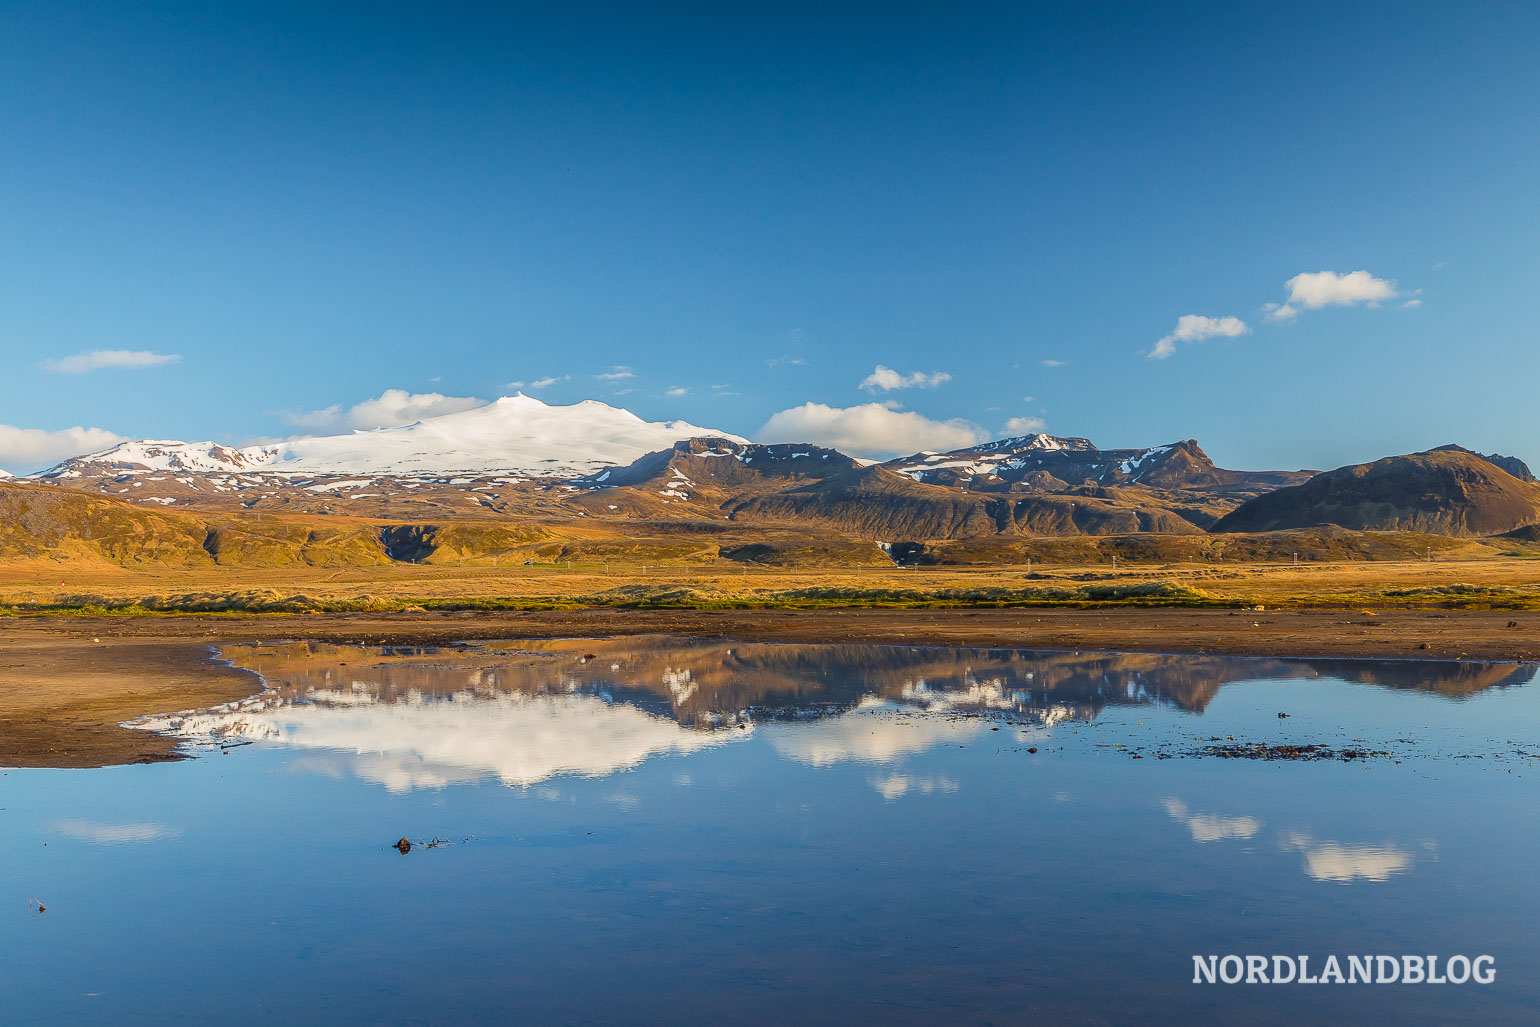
515 436
1050 463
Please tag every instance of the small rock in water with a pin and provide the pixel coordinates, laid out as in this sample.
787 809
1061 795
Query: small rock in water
403 846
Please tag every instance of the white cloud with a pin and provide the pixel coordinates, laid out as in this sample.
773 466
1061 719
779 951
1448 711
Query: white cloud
793 361
1024 425
677 391
1412 304
30 448
1316 289
1055 363
390 408
871 429
539 383
98 359
887 379
617 373
323 418
1195 328
397 406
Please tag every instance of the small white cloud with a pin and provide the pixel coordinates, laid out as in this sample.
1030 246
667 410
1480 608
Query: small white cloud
870 429
792 361
98 359
390 408
1412 304
617 373
1024 425
326 417
1195 328
397 406
677 391
31 448
1055 363
539 383
1316 289
887 379
622 392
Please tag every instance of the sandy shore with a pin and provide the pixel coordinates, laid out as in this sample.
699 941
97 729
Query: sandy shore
67 682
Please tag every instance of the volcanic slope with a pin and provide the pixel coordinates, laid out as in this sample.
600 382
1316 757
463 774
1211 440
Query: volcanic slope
47 523
1449 491
1049 463
812 486
516 436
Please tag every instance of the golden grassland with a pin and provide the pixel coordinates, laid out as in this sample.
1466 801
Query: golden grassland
1474 578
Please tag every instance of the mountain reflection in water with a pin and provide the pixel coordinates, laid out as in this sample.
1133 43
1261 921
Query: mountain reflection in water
430 717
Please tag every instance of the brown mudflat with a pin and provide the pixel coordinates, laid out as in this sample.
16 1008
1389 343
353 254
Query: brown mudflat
66 683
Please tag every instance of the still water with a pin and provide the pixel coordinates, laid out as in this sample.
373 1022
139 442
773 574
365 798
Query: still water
661 831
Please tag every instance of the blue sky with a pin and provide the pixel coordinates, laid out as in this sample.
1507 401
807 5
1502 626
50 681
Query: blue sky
734 213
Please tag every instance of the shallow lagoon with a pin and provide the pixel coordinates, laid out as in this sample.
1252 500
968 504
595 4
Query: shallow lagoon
650 830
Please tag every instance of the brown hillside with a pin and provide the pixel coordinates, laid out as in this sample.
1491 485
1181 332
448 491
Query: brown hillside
1445 492
43 521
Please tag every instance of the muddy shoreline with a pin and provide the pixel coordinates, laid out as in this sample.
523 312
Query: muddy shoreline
66 683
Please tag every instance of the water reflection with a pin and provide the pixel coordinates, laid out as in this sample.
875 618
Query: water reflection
1208 827
114 834
1324 860
1345 864
430 740
427 718
762 833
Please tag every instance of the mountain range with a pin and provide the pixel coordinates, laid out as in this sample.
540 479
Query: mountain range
515 435
521 476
